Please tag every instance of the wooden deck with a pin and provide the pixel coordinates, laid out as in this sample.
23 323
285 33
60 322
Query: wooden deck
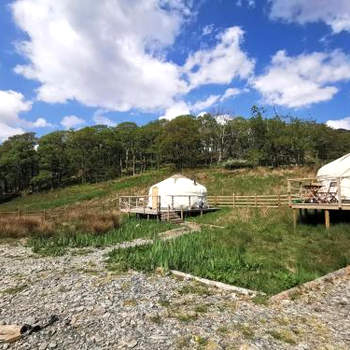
312 196
150 211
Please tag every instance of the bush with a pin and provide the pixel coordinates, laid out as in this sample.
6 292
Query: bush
231 164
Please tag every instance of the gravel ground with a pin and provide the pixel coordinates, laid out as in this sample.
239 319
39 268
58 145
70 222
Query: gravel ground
101 310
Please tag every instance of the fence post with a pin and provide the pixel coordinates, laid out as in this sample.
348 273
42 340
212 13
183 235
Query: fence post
256 201
19 213
289 193
168 213
279 198
233 200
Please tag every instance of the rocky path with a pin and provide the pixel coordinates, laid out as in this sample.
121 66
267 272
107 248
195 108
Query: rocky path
101 310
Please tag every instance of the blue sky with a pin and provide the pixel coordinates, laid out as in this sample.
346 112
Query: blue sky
70 64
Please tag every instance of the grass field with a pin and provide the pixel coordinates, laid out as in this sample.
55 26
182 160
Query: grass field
257 249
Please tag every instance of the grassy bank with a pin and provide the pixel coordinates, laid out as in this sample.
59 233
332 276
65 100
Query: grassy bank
218 181
258 251
76 194
129 230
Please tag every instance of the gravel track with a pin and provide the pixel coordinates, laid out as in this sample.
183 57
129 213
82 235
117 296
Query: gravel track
101 310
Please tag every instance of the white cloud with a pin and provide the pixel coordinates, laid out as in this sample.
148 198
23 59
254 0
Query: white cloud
335 13
303 80
100 119
208 29
221 64
100 52
205 103
340 123
40 123
8 131
230 92
72 121
12 104
178 108
250 3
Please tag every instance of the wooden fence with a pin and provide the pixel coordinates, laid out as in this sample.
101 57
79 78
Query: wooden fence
252 201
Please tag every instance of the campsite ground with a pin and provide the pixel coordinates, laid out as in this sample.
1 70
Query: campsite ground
109 306
98 309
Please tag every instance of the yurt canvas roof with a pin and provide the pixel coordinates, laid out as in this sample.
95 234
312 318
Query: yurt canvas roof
338 168
179 184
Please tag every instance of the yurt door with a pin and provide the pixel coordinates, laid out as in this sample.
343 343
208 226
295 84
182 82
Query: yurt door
155 198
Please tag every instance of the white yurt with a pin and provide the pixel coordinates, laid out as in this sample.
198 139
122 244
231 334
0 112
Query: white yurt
328 174
178 192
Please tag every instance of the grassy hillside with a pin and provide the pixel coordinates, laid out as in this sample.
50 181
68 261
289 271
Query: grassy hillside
218 181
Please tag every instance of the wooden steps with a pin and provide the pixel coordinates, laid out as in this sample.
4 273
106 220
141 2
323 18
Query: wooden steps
171 216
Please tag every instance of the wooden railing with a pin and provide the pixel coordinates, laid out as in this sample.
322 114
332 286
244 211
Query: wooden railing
314 190
253 201
131 202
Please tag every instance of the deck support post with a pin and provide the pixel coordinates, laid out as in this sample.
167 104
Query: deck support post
147 217
168 213
327 219
182 213
295 218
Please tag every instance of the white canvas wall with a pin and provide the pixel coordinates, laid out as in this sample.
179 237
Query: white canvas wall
179 191
338 168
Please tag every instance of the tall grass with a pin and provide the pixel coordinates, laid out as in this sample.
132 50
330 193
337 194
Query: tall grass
262 253
128 230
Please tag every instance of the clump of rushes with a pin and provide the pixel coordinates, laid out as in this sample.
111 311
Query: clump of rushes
76 234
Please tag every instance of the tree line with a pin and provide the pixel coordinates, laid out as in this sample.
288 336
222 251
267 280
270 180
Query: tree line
96 153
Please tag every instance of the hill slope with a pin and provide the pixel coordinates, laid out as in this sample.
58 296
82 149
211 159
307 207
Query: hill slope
218 181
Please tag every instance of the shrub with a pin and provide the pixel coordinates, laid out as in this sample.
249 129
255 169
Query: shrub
237 164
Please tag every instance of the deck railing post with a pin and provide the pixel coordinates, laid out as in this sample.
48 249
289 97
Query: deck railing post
172 202
339 192
189 202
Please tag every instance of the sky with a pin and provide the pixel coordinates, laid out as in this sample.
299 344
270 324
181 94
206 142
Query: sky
69 64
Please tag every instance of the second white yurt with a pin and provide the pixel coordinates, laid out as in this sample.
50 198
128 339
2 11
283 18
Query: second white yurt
177 192
329 173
